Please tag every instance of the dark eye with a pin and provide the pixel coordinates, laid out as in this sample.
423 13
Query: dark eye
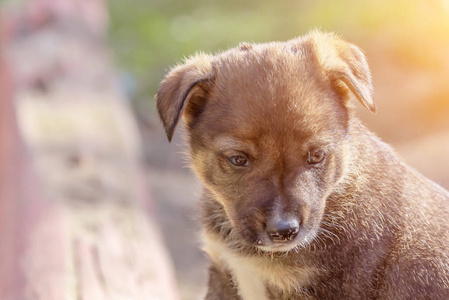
238 160
315 156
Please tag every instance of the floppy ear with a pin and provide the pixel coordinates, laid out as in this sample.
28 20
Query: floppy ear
345 63
183 92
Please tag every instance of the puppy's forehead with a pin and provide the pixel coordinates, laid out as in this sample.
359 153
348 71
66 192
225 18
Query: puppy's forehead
263 66
271 87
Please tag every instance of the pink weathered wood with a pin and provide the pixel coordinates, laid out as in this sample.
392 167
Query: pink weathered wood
44 251
10 163
31 227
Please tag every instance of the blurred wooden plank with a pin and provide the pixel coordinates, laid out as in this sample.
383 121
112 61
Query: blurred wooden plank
32 262
95 238
9 168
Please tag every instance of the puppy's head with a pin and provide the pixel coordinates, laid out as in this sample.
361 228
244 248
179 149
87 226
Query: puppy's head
268 130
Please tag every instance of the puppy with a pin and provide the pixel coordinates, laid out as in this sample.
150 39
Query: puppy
300 200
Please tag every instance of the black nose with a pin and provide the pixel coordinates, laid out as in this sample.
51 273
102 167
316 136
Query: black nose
282 230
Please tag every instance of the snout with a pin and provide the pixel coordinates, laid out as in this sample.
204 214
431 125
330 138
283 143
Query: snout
281 230
278 228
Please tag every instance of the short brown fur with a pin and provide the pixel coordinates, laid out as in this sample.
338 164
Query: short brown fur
371 227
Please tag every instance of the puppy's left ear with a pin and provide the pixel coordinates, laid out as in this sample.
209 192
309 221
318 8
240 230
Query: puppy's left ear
183 92
345 63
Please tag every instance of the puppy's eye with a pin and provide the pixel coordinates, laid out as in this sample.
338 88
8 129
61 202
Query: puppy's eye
238 160
315 156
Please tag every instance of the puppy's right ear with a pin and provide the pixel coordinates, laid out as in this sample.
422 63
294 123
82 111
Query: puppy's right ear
183 92
343 62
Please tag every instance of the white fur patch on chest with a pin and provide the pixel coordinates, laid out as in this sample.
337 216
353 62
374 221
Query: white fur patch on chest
252 275
247 276
250 282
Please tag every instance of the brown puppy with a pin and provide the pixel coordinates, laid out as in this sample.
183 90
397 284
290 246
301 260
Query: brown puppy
300 200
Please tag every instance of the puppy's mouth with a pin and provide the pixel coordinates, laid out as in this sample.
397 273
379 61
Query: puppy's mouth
294 243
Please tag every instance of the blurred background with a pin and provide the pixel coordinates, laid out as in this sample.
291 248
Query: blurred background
69 58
